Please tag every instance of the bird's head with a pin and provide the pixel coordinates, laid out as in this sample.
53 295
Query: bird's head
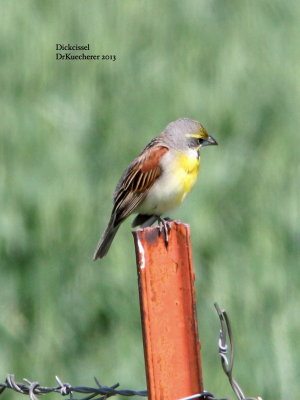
189 133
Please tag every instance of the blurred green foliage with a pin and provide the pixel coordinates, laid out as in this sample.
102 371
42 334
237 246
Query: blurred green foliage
69 128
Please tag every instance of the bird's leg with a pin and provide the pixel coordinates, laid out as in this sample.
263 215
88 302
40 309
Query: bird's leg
149 221
164 224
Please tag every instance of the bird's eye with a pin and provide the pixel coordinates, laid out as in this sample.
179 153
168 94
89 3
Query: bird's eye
201 141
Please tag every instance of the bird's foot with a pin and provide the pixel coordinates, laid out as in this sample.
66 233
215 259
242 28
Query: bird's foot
165 225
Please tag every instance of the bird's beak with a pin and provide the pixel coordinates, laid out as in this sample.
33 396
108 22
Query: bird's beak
209 141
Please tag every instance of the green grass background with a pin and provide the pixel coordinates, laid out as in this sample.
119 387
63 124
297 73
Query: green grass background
69 128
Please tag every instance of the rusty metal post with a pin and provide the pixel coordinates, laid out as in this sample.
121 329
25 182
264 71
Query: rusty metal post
168 312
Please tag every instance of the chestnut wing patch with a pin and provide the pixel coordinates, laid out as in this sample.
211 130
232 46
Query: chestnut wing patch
137 180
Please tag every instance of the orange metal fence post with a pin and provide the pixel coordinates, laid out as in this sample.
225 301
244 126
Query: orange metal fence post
168 311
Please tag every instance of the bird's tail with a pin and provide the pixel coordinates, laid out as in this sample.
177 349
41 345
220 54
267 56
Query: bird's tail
106 240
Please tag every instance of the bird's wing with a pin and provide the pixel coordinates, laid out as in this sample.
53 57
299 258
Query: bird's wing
137 180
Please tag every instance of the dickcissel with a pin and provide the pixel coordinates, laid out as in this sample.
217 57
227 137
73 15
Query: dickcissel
158 179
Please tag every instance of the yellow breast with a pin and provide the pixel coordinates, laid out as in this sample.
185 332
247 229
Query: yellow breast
179 175
187 172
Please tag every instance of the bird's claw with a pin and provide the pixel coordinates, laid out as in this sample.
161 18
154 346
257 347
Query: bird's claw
165 225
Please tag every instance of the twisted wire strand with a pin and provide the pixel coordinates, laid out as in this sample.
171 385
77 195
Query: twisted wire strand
33 389
226 353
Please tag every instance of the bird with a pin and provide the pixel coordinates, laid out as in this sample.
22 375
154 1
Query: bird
158 180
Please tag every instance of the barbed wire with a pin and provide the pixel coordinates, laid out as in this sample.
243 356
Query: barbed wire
33 389
226 352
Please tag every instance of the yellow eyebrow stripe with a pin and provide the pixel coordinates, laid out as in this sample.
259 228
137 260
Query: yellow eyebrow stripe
193 135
